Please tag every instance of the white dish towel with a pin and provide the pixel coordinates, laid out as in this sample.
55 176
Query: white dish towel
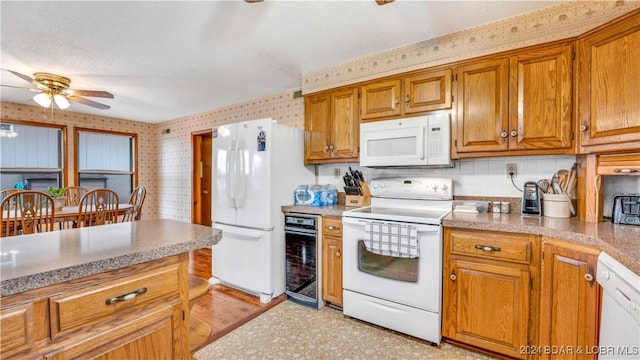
397 240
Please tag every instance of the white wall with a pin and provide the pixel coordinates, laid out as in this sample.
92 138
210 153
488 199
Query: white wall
471 177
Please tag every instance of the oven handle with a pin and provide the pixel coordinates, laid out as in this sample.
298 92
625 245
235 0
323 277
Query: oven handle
420 227
288 230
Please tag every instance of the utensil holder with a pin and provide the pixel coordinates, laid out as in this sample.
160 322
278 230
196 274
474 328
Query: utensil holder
359 200
556 205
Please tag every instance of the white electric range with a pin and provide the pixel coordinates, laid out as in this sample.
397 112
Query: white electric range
392 255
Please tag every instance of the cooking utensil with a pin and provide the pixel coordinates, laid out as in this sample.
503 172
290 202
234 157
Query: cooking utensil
543 184
563 177
573 177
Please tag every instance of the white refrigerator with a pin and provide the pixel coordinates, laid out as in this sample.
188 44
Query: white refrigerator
257 165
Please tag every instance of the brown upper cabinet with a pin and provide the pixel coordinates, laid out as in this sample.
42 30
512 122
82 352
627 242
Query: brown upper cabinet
519 103
411 94
332 129
609 95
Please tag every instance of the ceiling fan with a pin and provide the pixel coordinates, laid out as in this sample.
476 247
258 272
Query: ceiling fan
54 88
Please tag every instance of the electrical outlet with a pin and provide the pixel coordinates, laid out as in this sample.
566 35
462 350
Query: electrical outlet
336 173
512 170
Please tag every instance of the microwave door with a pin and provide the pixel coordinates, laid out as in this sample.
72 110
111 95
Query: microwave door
401 146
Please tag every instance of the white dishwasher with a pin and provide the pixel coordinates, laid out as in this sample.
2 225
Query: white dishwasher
620 316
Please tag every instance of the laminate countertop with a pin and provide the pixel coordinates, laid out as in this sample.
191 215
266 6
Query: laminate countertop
38 260
622 242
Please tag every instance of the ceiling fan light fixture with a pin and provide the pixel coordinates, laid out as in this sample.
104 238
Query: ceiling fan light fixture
43 99
61 101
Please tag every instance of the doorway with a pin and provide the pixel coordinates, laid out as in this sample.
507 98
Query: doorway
202 141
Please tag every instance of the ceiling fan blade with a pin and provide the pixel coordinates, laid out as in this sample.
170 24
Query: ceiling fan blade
20 87
382 2
88 102
90 93
22 76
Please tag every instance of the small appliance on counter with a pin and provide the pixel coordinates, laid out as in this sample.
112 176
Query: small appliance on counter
626 209
531 199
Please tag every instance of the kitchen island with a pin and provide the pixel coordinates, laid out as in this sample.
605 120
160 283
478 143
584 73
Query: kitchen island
116 290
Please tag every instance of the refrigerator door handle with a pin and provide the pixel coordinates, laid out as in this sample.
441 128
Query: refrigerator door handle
241 226
230 178
241 180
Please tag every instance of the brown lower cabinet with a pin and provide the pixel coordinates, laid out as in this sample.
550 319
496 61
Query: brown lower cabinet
570 298
519 295
332 260
489 290
91 318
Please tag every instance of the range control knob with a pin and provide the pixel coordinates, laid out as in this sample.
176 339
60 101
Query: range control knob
435 188
444 187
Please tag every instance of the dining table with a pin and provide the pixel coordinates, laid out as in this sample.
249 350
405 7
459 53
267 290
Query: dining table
66 214
69 213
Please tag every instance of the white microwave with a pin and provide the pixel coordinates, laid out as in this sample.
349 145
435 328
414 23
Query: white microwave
417 141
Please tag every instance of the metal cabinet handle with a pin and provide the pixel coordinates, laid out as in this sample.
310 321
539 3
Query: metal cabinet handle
407 99
338 254
584 126
626 170
326 147
514 133
589 276
503 134
488 248
126 297
330 227
396 101
453 276
331 147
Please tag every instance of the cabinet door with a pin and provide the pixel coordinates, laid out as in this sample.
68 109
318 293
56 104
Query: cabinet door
570 296
540 99
148 336
332 270
482 116
427 91
345 127
317 127
609 109
16 330
487 306
381 99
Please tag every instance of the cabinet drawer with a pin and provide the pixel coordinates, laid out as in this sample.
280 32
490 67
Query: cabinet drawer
627 164
332 226
488 245
16 330
74 309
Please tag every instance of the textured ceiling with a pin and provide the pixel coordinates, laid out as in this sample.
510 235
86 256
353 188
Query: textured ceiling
164 60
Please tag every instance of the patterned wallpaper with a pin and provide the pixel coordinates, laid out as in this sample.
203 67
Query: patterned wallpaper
554 23
175 159
148 146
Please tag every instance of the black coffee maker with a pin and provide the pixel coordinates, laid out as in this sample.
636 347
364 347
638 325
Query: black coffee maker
531 199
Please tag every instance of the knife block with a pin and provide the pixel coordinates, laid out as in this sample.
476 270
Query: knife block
359 200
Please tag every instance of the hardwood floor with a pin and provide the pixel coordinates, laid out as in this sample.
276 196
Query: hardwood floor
223 308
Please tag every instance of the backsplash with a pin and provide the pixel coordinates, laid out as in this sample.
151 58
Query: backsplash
471 177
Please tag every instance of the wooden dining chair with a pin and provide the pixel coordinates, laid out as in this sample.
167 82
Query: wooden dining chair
98 207
26 212
74 194
136 199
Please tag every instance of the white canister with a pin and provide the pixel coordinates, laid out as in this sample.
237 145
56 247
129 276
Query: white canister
495 208
555 205
504 207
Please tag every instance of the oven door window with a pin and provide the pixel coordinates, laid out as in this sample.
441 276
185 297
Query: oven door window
301 264
394 268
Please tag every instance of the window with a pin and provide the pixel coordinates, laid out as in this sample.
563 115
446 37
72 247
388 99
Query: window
31 155
106 159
